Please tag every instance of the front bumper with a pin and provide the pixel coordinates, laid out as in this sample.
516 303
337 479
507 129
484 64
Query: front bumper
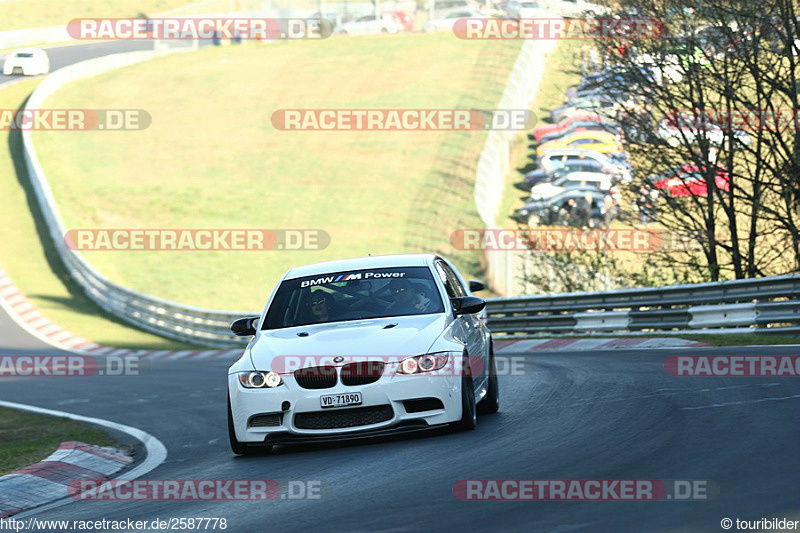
390 390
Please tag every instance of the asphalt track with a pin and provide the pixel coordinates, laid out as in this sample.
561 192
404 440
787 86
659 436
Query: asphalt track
601 415
61 56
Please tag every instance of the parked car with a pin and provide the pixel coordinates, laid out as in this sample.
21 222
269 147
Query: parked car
404 20
613 79
565 209
581 125
368 25
609 91
443 8
601 105
556 158
448 21
27 62
671 62
571 180
523 10
687 127
688 180
598 141
579 165
578 8
546 129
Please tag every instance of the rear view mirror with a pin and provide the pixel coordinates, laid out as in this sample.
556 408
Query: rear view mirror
467 305
475 286
244 327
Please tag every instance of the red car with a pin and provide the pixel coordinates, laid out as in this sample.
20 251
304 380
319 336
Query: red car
547 129
403 19
687 180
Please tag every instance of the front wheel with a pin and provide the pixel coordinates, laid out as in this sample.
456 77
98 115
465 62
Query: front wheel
469 413
240 448
491 402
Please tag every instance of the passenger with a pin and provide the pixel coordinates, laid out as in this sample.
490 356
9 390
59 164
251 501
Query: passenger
321 306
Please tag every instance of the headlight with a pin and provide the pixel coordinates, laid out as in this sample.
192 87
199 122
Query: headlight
259 380
423 363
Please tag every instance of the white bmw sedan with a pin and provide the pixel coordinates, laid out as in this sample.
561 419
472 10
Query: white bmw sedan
362 347
29 62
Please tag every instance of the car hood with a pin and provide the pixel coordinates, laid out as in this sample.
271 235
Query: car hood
411 335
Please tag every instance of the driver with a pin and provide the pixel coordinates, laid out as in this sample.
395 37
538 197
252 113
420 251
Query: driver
406 299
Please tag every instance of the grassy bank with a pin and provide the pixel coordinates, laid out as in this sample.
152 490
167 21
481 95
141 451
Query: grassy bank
28 256
212 159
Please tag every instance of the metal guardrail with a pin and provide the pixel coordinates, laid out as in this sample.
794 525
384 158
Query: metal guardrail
760 305
181 322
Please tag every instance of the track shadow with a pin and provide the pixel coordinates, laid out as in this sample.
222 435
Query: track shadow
77 302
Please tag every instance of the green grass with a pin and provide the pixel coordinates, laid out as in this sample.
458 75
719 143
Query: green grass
26 14
742 339
27 438
211 158
28 256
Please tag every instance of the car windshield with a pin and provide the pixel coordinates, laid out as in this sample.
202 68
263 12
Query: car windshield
25 54
354 295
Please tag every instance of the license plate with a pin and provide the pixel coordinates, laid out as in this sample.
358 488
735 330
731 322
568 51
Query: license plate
340 400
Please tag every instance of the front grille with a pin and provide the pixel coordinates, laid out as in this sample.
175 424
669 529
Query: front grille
266 420
316 377
422 404
362 373
344 418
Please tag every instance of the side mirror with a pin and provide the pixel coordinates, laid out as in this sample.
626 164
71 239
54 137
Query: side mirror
467 305
244 327
475 286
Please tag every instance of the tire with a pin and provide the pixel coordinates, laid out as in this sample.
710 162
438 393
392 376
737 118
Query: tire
469 412
491 402
240 448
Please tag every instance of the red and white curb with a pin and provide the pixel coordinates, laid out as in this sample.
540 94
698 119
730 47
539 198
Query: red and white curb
48 480
592 345
24 313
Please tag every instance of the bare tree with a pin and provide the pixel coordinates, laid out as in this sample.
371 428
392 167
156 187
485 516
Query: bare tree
727 170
